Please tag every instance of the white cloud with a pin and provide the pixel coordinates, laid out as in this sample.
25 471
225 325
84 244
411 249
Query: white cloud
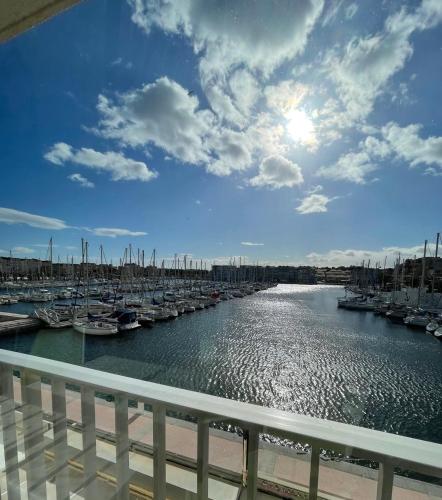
367 64
331 12
314 203
231 151
113 232
44 245
222 103
285 96
433 172
266 134
81 180
59 153
22 250
245 90
251 244
237 48
352 167
160 113
277 172
164 114
351 10
236 52
120 62
375 148
231 34
406 144
11 216
119 167
350 257
198 202
396 142
315 189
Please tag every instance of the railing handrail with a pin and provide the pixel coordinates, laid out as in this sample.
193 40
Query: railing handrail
369 443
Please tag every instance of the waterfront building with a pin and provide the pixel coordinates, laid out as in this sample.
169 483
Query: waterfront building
334 276
274 274
226 273
410 272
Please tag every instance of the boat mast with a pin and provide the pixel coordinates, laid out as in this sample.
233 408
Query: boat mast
367 276
434 267
422 282
383 272
412 272
402 273
50 258
86 244
130 270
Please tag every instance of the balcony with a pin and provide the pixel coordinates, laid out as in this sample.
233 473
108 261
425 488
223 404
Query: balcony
69 431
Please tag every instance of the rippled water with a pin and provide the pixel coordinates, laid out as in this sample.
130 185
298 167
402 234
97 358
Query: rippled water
288 347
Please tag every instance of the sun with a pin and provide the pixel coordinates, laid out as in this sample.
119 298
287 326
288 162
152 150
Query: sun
300 127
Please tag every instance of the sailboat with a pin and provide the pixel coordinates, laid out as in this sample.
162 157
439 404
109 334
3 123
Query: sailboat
95 327
89 326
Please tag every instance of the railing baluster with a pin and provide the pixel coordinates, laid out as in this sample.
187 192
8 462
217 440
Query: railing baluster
89 441
122 446
159 452
9 433
385 481
33 435
203 460
314 473
252 463
60 439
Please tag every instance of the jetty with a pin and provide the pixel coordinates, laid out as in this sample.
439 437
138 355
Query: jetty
12 323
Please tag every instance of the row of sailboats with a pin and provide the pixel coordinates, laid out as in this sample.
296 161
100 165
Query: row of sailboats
104 304
409 305
108 324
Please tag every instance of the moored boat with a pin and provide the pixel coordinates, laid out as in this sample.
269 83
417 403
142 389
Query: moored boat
432 326
88 327
127 320
417 319
438 333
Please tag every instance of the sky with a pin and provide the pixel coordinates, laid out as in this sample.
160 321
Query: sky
286 132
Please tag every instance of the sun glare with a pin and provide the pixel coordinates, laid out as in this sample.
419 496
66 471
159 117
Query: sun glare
300 127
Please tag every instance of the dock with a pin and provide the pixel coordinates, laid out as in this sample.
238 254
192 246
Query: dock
12 323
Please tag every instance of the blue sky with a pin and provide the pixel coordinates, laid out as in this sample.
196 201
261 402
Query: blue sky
301 132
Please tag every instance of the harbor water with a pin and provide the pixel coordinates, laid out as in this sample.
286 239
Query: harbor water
287 347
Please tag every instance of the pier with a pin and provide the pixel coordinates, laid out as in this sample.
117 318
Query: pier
12 323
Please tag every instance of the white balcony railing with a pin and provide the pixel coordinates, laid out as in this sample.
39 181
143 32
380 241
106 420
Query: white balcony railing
389 450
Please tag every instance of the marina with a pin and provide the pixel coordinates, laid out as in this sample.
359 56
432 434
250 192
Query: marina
287 347
415 306
220 269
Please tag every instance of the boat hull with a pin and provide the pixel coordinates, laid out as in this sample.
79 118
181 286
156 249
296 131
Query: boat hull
93 328
129 326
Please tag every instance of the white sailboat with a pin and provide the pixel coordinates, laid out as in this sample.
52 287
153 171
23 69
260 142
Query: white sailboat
87 326
95 327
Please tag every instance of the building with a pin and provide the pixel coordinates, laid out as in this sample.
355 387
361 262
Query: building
334 275
224 273
274 274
